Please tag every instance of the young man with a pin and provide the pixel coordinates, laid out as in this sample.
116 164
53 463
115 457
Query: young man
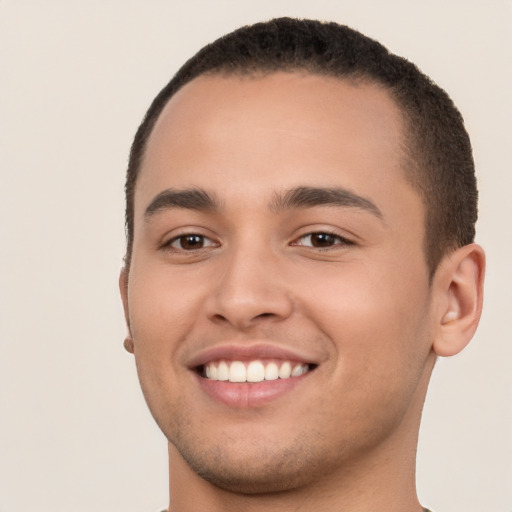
300 218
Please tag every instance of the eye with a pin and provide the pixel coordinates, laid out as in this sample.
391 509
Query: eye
191 242
321 240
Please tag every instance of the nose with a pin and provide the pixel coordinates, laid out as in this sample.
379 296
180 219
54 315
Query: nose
250 290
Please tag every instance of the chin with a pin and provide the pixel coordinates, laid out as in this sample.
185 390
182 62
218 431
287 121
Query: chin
264 470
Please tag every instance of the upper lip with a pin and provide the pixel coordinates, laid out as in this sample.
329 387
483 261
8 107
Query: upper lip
246 352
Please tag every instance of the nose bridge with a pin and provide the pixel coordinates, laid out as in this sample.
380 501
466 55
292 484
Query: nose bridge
250 287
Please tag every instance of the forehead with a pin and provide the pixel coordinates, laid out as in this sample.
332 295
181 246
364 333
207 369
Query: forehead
259 133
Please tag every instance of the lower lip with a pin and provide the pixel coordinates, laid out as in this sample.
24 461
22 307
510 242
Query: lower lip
248 394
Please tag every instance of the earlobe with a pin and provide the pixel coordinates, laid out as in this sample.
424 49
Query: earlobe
128 344
459 292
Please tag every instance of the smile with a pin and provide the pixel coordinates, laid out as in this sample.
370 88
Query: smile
248 375
253 371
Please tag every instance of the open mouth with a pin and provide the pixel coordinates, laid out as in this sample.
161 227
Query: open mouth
253 371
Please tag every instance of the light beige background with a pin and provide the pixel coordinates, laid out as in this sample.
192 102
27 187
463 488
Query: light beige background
76 78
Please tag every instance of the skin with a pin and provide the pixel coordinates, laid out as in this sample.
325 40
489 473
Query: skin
360 306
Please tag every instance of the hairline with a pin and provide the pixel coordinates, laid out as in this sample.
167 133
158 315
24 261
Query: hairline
409 158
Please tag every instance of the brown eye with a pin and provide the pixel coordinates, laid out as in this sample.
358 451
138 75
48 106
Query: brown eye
191 242
321 240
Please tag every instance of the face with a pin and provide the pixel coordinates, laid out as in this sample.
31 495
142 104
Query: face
278 294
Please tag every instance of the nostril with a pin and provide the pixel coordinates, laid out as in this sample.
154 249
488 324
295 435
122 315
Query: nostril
242 311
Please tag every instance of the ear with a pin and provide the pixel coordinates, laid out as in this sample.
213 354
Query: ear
123 288
458 286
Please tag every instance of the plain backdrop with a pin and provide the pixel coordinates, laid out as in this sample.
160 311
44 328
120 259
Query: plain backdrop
75 80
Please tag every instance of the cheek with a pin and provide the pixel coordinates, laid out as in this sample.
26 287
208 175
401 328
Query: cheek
377 320
162 311
381 339
162 304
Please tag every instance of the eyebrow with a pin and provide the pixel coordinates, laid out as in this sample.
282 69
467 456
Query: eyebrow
190 199
310 197
299 197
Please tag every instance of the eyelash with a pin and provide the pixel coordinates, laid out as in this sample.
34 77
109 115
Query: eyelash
337 240
333 241
181 238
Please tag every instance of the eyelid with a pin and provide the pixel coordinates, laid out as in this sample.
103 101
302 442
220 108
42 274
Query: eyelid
341 240
176 239
168 244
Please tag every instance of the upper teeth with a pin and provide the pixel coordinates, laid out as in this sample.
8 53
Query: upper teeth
254 371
